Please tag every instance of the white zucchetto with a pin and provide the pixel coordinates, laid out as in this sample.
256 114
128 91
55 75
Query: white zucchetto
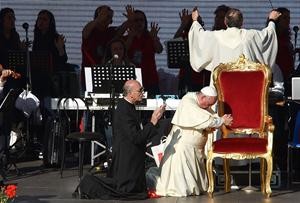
209 91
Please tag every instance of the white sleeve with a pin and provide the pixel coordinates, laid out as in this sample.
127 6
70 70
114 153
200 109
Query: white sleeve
267 39
216 122
201 47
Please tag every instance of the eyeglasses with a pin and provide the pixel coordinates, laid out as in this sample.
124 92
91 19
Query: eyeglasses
141 90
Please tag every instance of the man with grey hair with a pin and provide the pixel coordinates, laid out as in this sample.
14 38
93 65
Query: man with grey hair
182 169
210 48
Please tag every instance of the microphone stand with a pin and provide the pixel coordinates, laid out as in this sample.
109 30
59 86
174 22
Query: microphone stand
28 76
28 72
112 90
112 95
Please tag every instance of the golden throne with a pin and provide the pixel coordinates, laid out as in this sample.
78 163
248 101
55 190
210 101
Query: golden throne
242 92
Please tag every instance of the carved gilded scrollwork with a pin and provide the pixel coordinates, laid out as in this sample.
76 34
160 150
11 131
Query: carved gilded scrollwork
264 131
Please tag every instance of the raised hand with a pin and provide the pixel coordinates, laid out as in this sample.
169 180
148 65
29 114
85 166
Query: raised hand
154 28
185 17
274 15
129 12
130 18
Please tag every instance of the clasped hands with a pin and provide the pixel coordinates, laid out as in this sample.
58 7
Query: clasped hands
227 119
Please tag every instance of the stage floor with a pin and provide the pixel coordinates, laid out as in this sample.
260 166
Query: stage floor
44 185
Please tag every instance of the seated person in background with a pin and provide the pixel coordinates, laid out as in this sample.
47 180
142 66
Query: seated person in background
116 53
126 178
182 169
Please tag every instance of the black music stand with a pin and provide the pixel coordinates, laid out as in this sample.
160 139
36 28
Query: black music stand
39 60
17 61
110 79
106 77
178 53
179 57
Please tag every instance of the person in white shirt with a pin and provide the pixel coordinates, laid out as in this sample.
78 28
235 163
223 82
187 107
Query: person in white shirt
210 48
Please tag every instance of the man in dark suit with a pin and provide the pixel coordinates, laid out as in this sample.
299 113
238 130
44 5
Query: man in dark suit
126 178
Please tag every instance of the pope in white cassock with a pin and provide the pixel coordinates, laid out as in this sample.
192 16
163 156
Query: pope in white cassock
210 48
182 169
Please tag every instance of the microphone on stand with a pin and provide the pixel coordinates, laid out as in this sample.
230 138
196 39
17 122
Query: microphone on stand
296 28
25 26
115 56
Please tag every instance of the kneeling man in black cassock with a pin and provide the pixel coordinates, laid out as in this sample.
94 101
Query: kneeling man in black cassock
126 176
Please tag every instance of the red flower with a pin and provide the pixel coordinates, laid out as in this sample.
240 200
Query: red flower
10 191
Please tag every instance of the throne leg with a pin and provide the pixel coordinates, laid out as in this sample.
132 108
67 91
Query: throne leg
263 175
268 190
209 169
226 170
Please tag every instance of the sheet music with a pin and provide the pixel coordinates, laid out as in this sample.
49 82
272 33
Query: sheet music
88 79
138 74
101 79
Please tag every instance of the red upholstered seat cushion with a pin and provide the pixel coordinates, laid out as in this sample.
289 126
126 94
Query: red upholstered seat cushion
240 145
